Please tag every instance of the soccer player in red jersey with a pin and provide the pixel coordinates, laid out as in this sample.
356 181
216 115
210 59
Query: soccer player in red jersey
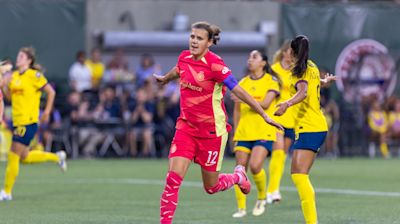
202 128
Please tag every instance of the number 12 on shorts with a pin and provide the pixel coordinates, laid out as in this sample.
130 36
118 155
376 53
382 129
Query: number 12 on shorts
212 158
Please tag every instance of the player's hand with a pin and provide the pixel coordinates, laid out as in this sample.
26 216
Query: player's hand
273 123
160 79
329 78
5 68
45 117
282 107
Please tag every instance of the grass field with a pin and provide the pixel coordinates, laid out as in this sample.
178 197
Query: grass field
355 191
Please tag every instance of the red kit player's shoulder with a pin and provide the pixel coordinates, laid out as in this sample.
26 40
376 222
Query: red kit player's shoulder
184 54
213 57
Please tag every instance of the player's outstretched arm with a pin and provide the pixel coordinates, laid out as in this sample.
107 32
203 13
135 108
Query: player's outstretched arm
246 98
169 76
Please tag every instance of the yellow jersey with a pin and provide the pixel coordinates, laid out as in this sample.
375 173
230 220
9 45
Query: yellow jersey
287 119
307 114
251 126
97 69
377 121
25 92
394 121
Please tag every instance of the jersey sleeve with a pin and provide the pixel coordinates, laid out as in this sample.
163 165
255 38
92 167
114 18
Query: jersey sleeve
274 86
219 70
39 81
180 57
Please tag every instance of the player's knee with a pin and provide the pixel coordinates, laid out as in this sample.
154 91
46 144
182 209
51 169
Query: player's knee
255 168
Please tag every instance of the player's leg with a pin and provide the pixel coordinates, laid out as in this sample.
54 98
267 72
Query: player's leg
209 157
383 146
259 153
304 154
180 156
12 169
22 136
38 156
276 167
242 154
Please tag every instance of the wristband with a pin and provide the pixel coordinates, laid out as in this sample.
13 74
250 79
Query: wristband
288 104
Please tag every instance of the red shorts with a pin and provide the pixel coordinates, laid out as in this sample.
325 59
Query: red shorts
207 152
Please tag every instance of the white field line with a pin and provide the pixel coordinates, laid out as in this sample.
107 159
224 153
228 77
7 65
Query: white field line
198 184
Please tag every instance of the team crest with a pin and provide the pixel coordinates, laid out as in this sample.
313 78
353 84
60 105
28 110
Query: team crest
200 76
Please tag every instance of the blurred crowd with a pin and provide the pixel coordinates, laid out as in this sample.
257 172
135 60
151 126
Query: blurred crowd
114 110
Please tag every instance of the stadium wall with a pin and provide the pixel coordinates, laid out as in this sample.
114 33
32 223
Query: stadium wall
56 29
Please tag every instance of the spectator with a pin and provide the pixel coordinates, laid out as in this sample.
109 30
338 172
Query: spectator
394 122
80 75
106 111
141 119
118 61
96 67
117 69
332 115
146 69
378 124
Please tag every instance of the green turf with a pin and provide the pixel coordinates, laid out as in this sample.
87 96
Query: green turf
115 191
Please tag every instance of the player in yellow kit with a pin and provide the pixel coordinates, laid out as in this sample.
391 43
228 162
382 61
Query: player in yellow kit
284 140
310 124
25 89
254 138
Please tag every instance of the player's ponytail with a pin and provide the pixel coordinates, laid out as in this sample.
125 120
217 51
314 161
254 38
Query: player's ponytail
267 68
212 30
31 54
300 50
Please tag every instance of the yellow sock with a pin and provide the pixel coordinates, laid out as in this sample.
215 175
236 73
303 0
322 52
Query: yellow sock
260 180
12 171
240 198
37 156
307 197
276 168
384 150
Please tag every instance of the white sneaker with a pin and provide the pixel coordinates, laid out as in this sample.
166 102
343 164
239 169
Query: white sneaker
63 160
239 214
259 208
4 196
274 197
269 198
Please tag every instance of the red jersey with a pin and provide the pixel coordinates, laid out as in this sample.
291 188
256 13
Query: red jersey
202 107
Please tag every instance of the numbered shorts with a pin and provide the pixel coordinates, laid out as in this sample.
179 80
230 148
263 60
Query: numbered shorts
247 146
207 152
310 140
24 133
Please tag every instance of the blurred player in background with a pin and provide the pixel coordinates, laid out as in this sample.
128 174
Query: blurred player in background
24 89
254 138
202 128
310 124
284 140
378 124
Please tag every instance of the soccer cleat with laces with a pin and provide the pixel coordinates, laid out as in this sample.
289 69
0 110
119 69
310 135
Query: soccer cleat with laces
240 213
259 208
4 196
63 160
244 183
